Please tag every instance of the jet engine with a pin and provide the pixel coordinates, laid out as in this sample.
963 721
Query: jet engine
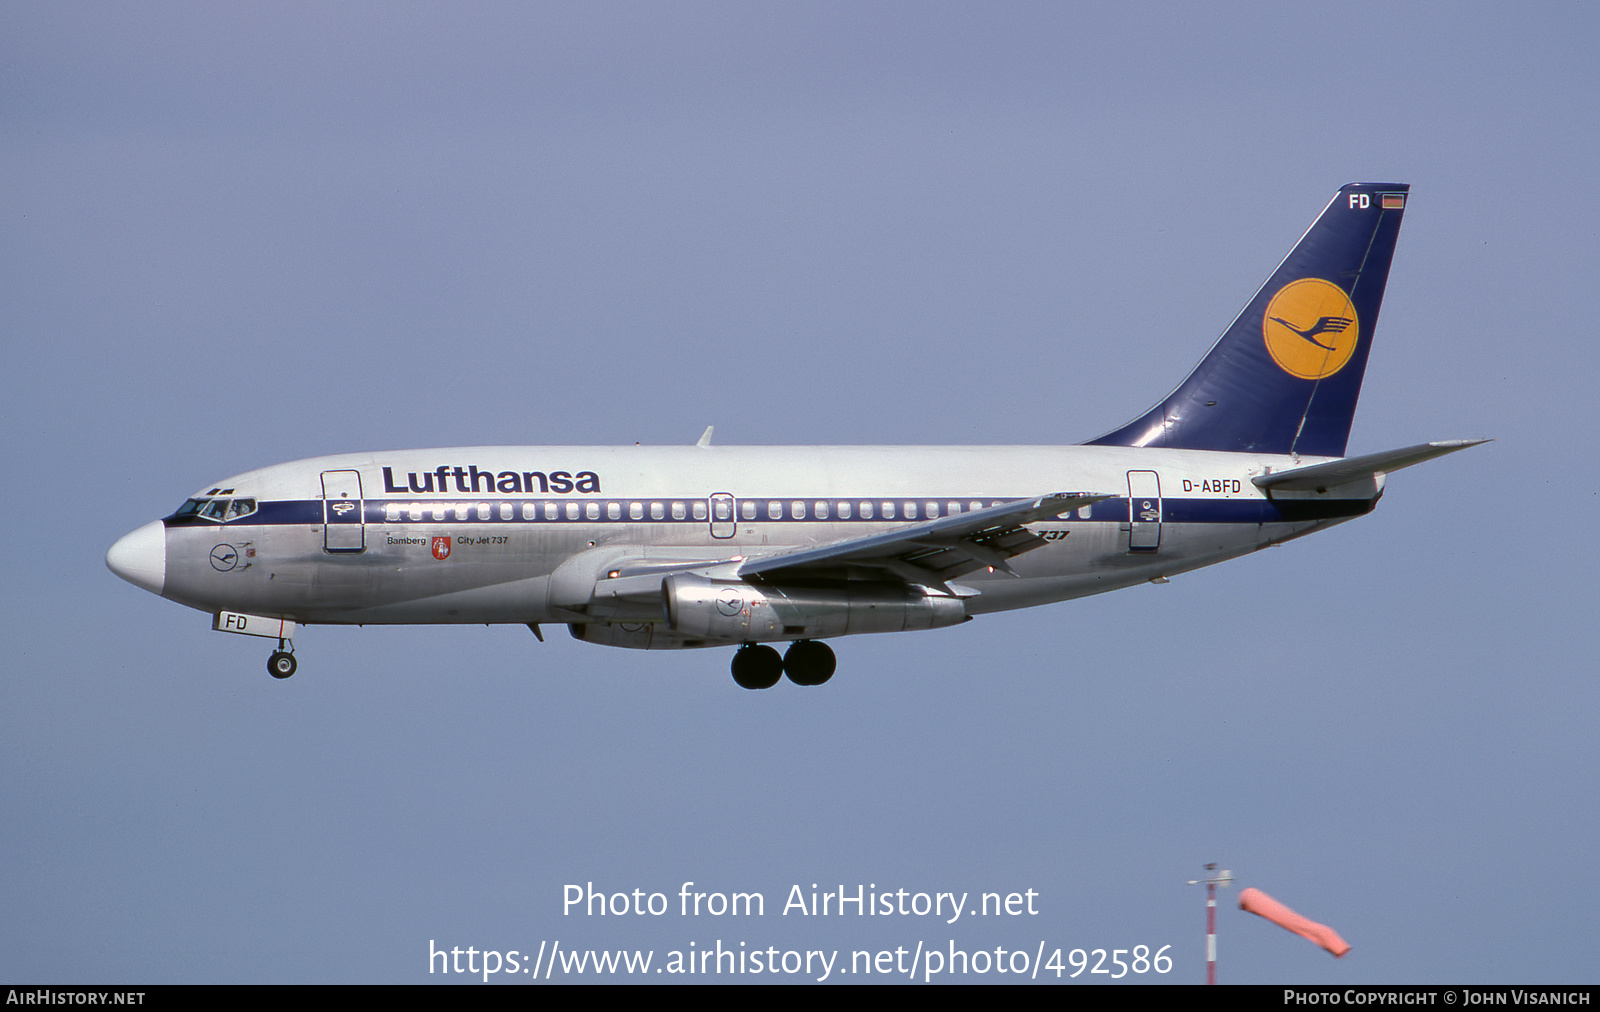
743 612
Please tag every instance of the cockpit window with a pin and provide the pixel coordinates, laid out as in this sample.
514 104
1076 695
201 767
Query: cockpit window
220 510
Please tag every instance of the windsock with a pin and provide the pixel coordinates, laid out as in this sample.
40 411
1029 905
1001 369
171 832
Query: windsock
1262 905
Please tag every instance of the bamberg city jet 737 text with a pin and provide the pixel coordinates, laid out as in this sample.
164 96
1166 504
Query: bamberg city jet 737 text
744 546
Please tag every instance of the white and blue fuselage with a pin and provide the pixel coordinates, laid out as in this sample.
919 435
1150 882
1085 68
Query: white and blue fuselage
475 534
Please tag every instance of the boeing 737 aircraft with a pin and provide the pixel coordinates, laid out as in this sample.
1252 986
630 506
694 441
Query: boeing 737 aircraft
743 546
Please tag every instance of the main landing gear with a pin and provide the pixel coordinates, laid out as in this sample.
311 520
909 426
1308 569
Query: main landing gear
807 662
282 663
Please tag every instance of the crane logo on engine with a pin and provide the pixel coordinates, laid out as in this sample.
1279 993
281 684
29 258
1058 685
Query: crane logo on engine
729 601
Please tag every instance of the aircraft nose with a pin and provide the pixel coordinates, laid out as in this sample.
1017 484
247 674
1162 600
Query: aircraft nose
141 557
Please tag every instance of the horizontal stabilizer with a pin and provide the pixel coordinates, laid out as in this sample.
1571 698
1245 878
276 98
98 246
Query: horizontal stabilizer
1315 477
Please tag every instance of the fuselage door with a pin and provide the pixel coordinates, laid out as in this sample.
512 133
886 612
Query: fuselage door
1144 511
342 527
723 524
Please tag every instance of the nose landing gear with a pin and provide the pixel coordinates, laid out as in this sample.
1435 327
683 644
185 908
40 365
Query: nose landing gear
282 663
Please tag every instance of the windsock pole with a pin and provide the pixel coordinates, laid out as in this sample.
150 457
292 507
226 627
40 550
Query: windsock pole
1214 879
1211 932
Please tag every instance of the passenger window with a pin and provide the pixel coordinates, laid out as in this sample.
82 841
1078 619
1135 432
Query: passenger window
747 509
933 510
414 511
722 509
591 510
844 511
391 512
483 510
888 511
699 509
821 510
975 505
505 511
952 508
572 511
636 511
911 511
678 511
613 511
529 511
774 510
440 513
658 511
866 511
552 511
797 509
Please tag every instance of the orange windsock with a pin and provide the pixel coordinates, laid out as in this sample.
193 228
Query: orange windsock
1262 905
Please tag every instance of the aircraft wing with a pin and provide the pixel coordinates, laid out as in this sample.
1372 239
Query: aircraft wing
930 553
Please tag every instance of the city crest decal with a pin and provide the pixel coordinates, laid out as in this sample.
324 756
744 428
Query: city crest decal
441 547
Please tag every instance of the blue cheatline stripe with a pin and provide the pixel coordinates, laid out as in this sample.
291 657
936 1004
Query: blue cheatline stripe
307 512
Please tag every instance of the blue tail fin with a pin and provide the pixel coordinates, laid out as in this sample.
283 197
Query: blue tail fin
1284 378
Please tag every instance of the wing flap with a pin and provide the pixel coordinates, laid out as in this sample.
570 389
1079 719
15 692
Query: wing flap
933 552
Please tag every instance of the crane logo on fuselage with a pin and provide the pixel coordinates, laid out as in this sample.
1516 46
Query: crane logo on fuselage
1310 328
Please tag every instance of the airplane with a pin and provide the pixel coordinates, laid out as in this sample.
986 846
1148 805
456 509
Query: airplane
670 547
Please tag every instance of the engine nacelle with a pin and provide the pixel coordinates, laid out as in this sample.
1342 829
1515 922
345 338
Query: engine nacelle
635 636
740 612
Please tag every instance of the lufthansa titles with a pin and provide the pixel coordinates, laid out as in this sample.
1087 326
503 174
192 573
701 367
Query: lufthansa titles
475 479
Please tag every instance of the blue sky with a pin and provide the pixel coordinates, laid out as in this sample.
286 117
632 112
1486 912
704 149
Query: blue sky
241 236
